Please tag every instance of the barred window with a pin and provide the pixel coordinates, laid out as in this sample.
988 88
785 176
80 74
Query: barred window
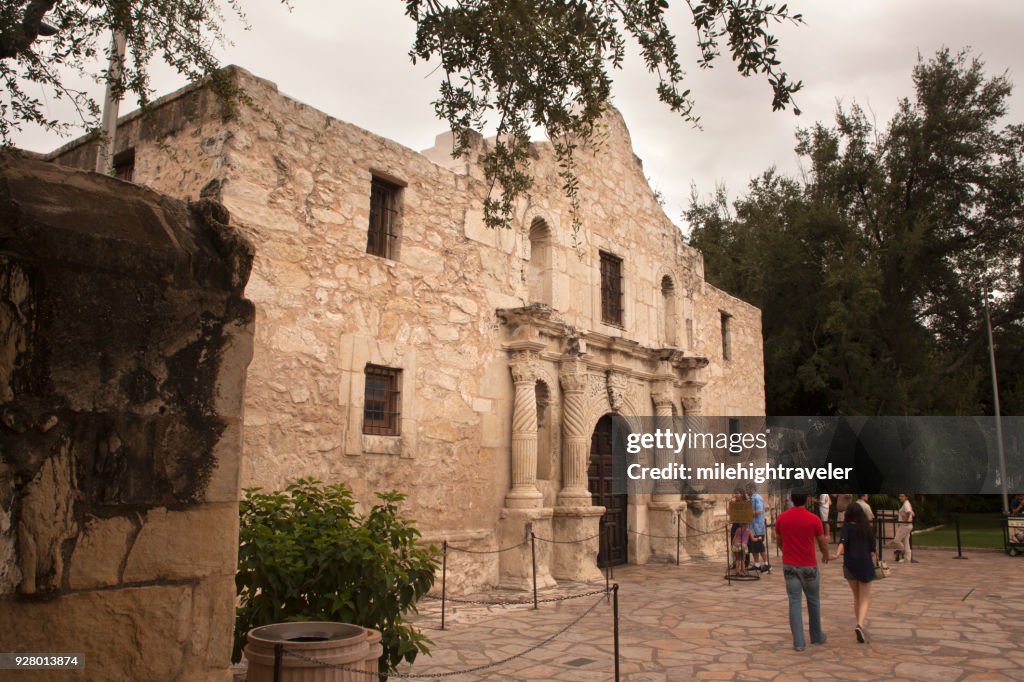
726 336
611 289
384 215
383 398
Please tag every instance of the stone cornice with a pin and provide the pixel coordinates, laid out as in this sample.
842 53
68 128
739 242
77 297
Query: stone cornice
537 321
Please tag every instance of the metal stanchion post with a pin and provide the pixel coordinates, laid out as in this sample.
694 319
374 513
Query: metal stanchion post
678 520
728 557
533 557
278 655
615 627
444 577
959 551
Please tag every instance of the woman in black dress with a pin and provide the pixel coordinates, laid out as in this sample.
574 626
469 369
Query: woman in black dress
857 547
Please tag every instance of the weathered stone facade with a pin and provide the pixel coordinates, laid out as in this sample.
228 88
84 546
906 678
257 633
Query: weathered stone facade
506 361
124 340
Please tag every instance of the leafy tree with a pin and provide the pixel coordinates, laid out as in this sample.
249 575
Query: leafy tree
305 554
870 272
546 64
525 63
41 39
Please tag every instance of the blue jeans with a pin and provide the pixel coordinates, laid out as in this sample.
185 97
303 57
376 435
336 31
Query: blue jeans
804 579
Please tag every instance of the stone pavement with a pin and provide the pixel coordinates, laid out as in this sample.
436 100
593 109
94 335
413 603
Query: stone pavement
940 619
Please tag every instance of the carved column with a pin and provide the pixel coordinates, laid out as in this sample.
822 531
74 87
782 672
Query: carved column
524 511
700 512
524 492
661 396
695 457
575 439
666 505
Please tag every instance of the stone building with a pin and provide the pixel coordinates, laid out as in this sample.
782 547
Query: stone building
401 344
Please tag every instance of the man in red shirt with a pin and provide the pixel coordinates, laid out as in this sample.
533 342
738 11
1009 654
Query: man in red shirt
797 531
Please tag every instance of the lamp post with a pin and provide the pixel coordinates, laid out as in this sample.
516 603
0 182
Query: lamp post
995 398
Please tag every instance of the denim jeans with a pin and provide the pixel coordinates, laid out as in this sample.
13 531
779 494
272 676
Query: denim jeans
804 579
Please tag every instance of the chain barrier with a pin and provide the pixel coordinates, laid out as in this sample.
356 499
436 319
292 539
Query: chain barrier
703 532
568 542
452 673
486 551
514 602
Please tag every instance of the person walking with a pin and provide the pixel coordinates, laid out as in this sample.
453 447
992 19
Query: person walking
863 502
857 548
824 505
798 530
904 529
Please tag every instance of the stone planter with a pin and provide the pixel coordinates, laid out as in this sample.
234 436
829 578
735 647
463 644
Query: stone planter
342 644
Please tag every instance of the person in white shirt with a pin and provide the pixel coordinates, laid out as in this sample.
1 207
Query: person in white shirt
824 505
903 529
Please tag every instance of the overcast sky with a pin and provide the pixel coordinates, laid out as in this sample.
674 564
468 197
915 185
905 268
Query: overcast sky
350 60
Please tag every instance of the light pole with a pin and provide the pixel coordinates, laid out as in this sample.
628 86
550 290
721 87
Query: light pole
995 398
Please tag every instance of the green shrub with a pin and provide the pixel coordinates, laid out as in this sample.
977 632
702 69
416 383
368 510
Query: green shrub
305 554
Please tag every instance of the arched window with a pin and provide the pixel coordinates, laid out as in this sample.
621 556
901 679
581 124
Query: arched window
539 274
668 311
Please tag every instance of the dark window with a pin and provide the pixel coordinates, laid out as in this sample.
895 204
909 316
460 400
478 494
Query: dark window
124 164
383 399
611 289
726 337
384 214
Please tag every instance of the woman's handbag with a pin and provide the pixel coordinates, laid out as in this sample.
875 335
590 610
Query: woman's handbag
882 570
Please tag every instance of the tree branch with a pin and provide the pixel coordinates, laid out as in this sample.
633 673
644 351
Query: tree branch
17 42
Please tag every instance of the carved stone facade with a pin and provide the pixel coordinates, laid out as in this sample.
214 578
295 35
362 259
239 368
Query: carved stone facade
506 362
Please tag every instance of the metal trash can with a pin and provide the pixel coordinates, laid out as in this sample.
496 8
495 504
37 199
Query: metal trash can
342 644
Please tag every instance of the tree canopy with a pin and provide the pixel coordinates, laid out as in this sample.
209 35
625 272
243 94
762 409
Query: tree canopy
870 271
513 64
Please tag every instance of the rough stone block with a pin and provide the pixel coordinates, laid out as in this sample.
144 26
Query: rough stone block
99 553
130 634
178 545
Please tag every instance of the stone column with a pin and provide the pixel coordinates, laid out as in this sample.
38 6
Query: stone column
666 503
524 512
700 515
576 519
524 492
575 439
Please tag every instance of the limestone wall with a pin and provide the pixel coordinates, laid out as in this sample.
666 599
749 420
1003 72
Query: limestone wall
298 185
124 341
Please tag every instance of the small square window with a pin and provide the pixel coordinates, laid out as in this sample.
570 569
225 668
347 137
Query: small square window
611 289
385 210
381 406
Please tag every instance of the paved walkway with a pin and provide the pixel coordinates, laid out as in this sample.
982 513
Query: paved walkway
940 619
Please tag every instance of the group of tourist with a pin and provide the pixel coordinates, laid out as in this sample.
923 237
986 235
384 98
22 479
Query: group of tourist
748 540
800 532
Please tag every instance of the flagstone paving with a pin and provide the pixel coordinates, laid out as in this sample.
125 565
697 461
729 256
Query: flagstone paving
940 619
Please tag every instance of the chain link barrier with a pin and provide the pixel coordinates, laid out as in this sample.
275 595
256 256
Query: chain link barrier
568 542
454 673
487 551
517 602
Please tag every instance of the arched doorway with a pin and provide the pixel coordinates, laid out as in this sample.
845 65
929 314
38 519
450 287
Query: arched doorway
600 482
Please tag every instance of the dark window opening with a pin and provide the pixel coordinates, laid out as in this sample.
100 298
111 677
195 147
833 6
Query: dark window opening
384 214
611 289
381 407
726 337
124 165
